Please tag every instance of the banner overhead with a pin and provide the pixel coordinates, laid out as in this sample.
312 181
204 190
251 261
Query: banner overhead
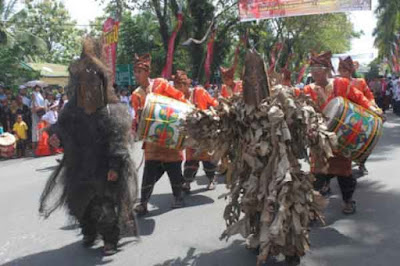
264 9
110 39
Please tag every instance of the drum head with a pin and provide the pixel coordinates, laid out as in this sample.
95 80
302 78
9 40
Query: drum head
7 139
333 109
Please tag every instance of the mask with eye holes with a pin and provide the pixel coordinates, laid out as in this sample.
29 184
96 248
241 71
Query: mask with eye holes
90 78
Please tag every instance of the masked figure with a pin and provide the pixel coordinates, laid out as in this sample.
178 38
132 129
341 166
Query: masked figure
96 179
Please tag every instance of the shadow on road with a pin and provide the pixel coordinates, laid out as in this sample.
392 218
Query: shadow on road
47 169
73 254
163 202
234 255
370 237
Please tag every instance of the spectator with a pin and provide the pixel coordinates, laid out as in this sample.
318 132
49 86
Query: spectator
2 94
49 101
9 94
48 119
5 115
125 99
38 110
60 93
20 129
63 101
25 99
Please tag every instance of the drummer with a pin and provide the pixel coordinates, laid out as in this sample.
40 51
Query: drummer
202 100
229 86
347 69
158 160
321 92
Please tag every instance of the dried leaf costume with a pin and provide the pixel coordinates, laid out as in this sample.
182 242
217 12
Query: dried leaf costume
271 200
94 129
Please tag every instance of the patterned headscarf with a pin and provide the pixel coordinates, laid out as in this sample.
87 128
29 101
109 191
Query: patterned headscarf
142 62
181 78
227 73
323 59
347 64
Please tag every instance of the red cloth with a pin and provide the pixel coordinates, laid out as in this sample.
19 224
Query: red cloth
228 92
202 99
341 87
362 86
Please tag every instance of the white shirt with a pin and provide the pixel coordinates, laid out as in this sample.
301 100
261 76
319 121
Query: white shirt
50 117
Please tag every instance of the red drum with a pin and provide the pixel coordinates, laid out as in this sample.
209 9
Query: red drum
7 145
357 129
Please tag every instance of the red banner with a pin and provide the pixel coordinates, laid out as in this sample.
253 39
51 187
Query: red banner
301 73
110 41
167 70
209 57
277 48
265 9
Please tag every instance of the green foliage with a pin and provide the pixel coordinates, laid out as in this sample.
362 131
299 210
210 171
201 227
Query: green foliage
12 72
388 26
50 21
373 70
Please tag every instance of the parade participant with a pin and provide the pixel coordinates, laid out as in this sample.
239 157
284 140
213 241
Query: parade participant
158 160
321 92
96 179
347 70
229 86
202 100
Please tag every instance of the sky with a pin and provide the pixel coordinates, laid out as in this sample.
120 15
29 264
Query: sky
86 10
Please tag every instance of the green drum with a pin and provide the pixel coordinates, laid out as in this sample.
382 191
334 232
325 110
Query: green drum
160 121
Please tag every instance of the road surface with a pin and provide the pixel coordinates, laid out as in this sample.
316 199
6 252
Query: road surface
189 236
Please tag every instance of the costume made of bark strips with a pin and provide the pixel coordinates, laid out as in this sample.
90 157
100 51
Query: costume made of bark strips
338 165
95 132
202 100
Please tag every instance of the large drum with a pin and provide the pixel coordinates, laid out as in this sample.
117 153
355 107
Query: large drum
160 121
358 130
7 145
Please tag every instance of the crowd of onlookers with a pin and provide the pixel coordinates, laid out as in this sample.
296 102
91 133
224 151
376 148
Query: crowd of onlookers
387 92
22 113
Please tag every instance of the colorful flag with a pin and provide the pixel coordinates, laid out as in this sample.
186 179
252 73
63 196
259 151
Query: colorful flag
110 41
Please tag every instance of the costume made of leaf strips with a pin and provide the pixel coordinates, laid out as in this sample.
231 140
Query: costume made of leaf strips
95 132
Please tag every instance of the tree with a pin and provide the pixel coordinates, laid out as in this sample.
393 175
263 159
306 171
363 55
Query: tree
50 21
388 27
16 46
300 35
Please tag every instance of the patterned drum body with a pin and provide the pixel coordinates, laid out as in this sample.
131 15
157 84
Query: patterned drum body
160 121
358 130
7 145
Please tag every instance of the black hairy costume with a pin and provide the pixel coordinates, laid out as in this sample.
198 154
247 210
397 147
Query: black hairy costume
95 133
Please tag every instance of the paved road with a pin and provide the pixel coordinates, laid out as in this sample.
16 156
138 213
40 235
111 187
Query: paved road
189 236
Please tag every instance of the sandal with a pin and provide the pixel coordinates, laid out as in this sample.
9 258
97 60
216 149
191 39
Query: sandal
109 249
186 187
178 203
89 240
141 209
349 207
